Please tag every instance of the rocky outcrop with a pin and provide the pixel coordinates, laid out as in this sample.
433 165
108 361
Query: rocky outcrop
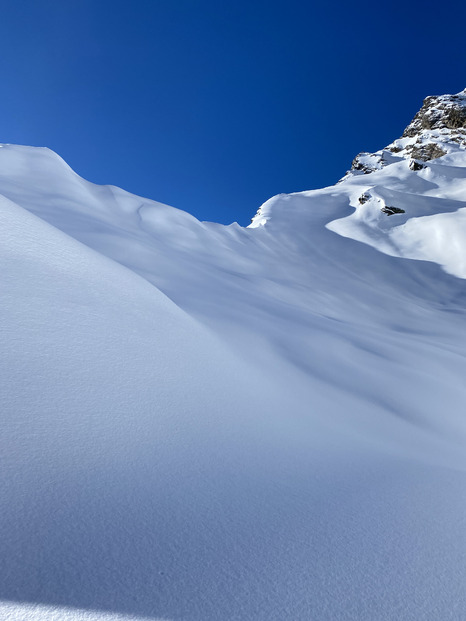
443 112
437 129
426 152
441 120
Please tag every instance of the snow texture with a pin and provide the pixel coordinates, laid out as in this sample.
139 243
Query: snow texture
207 422
26 612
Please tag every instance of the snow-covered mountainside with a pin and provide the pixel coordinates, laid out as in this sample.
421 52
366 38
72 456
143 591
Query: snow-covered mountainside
420 179
207 422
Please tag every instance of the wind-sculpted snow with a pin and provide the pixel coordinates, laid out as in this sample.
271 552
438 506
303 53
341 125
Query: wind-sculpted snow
212 423
432 225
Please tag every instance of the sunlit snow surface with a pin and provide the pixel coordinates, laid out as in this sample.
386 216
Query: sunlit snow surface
209 423
25 612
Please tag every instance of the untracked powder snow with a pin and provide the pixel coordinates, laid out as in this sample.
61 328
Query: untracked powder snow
216 423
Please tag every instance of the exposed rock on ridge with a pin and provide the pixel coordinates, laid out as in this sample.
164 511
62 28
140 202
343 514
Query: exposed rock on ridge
439 125
443 112
438 129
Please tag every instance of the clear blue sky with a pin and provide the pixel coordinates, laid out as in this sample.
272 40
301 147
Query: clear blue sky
214 107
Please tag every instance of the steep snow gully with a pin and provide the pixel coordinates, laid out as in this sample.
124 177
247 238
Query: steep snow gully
205 422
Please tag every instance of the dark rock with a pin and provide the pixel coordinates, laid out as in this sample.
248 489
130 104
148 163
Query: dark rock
426 152
456 118
390 211
364 198
416 165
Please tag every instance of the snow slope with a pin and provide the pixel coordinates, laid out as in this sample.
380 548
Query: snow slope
204 422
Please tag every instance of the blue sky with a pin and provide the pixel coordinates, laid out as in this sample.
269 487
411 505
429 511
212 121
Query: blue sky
214 108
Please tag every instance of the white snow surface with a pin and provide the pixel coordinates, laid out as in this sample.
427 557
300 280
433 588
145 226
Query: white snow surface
205 422
25 612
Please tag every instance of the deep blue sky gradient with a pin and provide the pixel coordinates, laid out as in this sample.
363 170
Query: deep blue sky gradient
214 107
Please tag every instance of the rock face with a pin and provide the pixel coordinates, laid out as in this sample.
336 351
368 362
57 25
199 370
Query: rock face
426 152
439 126
443 112
441 119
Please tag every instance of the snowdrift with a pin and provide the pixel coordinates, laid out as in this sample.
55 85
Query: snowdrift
204 422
